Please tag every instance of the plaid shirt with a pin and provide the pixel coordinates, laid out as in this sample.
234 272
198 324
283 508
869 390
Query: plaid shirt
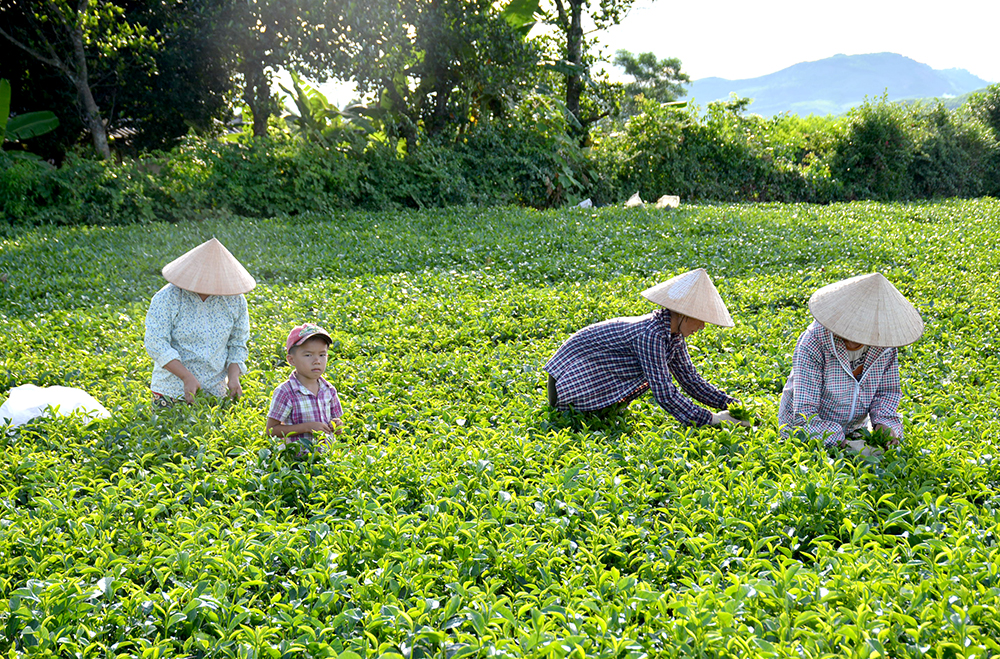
293 404
618 360
823 397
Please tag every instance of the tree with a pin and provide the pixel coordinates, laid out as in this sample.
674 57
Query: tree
574 63
656 80
70 35
187 82
440 64
263 36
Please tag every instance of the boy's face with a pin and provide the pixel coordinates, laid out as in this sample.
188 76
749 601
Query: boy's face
309 358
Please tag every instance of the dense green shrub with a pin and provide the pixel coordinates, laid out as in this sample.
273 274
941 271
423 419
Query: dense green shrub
986 106
873 154
879 151
950 157
724 156
20 186
275 175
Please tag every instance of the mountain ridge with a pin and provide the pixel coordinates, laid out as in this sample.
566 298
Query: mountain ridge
836 84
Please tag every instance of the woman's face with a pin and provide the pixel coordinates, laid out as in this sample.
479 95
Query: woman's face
851 345
690 325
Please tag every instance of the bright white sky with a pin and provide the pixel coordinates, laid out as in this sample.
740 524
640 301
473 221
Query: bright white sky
738 39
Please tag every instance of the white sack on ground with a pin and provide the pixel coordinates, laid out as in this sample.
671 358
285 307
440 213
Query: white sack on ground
668 201
634 200
28 401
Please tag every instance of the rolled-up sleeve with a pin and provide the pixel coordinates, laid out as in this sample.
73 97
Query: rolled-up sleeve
884 408
159 321
236 347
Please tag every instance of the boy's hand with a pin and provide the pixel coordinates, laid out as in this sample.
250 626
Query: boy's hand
317 426
338 426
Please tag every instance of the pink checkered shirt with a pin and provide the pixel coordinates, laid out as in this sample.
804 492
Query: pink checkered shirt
293 404
823 397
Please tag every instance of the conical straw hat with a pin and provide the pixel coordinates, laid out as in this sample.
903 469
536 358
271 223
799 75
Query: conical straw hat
209 269
692 294
868 310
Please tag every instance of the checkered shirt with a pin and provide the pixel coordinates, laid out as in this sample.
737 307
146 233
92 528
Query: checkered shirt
823 397
617 360
293 404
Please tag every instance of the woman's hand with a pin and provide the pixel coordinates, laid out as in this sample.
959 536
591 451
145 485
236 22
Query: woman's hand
889 431
725 417
191 387
191 384
233 381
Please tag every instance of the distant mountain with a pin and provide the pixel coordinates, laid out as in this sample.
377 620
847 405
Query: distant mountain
836 84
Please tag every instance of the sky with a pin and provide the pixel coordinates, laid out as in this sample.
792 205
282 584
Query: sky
738 39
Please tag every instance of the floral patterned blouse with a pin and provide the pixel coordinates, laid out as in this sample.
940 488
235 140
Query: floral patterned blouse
206 336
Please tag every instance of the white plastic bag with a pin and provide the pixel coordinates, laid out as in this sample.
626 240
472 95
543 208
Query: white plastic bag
28 401
668 201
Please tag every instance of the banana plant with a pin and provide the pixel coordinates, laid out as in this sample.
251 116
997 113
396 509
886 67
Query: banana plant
320 119
23 126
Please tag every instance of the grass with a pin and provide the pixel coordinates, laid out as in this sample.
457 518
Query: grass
456 516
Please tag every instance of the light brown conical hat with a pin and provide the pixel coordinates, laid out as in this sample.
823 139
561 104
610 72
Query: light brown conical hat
692 294
867 309
209 269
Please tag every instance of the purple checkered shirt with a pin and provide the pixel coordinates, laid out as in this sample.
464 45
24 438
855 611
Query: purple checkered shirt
617 360
823 397
293 404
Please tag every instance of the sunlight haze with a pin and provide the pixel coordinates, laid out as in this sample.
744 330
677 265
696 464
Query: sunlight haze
737 40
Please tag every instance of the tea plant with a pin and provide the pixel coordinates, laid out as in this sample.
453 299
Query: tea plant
457 516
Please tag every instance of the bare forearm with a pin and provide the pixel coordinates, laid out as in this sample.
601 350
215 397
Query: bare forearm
177 368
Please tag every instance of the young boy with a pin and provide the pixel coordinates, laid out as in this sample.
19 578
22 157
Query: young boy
305 403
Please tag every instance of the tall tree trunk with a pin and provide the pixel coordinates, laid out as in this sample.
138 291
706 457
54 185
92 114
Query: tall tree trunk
257 93
436 65
407 127
95 124
574 55
81 80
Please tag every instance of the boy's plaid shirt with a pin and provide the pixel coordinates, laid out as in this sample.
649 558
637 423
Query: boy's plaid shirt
823 397
292 404
618 360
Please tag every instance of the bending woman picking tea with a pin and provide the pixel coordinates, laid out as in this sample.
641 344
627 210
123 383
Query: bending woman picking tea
605 366
197 326
845 372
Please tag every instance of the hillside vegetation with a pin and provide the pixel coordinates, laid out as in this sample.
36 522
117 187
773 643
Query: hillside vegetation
457 516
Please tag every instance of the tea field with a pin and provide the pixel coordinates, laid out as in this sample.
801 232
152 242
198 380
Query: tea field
457 516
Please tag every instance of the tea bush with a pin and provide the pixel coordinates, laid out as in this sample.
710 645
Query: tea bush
457 516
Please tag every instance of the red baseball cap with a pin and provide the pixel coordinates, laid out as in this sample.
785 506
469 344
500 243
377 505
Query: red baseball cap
303 333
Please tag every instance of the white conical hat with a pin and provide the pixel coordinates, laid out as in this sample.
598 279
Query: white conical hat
867 309
209 269
692 294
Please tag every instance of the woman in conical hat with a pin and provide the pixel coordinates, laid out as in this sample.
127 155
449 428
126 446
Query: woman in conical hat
845 372
197 325
609 364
